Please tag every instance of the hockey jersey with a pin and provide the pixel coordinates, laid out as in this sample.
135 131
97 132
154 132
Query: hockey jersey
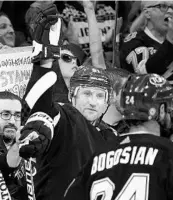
141 167
74 142
142 53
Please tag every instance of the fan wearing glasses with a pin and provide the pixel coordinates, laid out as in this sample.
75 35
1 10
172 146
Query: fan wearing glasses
10 122
150 50
71 57
10 117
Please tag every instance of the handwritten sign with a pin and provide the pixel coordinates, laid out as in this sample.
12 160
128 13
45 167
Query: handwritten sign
15 69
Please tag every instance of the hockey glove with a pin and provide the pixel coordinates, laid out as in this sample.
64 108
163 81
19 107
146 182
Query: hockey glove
36 135
47 35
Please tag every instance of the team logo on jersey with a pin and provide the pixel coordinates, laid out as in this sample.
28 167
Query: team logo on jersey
157 80
130 36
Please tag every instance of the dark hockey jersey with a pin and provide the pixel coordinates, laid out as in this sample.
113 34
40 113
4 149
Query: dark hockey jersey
74 142
141 167
142 54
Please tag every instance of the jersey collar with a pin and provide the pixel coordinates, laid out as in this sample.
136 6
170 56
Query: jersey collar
148 32
138 133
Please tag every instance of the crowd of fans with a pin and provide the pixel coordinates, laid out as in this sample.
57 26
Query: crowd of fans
100 88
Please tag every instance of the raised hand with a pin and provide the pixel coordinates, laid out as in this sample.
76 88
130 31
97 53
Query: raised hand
47 34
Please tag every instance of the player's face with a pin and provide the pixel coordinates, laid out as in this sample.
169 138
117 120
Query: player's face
7 35
164 117
67 63
159 16
9 124
91 102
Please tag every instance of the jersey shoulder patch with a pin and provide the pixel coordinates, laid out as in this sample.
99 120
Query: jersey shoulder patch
130 37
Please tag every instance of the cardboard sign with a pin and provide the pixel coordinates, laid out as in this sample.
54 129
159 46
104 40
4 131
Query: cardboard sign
15 69
106 27
78 25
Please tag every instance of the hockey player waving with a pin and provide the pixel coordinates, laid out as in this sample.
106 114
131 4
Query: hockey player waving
62 137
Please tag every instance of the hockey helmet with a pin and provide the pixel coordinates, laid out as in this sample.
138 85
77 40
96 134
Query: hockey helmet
89 76
146 97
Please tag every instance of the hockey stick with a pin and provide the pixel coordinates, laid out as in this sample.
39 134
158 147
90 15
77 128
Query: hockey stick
31 98
29 179
115 43
4 192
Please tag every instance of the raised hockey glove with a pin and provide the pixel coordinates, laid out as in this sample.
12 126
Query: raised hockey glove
36 135
47 35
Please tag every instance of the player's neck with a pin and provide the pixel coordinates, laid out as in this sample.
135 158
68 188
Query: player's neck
149 127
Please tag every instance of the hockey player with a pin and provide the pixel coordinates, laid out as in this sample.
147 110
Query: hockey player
62 137
149 50
141 166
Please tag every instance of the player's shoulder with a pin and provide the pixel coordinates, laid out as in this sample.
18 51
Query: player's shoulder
65 107
161 143
66 110
166 144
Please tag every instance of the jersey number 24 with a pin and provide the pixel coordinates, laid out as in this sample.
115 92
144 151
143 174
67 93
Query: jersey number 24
136 188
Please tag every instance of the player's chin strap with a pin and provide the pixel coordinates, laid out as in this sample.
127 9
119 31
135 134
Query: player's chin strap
42 52
4 192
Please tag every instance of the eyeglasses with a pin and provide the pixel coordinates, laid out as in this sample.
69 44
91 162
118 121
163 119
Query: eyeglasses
67 58
7 115
162 7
